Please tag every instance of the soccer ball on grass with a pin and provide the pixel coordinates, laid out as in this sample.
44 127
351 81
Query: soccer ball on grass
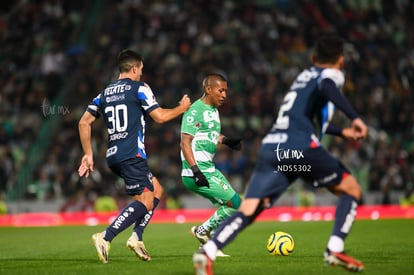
280 243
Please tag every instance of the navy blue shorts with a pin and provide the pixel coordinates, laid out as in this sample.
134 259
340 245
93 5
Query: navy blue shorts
136 174
277 168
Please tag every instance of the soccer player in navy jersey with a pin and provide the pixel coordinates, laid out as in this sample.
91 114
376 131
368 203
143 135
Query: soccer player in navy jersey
124 105
291 150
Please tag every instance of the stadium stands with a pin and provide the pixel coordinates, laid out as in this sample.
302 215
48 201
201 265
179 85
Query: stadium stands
258 45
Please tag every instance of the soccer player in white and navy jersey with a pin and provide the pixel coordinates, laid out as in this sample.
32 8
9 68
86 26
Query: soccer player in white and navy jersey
291 150
124 106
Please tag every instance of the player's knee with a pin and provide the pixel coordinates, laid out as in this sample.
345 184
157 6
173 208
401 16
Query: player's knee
158 189
350 186
146 198
149 205
354 189
356 192
158 192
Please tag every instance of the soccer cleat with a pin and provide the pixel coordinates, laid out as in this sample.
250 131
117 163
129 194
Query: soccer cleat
203 265
342 259
220 253
138 248
102 247
201 237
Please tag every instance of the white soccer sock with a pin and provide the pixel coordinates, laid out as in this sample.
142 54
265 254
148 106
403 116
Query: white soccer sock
336 244
211 249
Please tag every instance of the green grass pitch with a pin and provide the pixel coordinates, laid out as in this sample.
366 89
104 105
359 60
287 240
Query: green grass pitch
385 247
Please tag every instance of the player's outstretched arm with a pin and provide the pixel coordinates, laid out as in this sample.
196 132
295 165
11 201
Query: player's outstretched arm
161 115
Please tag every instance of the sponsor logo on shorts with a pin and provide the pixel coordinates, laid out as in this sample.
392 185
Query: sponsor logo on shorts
328 178
111 151
130 187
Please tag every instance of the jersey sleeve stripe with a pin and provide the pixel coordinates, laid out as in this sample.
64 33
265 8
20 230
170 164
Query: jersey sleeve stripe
327 113
93 109
141 96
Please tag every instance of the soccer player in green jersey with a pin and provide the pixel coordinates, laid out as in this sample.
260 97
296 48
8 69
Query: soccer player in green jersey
200 134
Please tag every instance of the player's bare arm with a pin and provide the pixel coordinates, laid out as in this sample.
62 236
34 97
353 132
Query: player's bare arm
185 145
85 123
200 179
161 115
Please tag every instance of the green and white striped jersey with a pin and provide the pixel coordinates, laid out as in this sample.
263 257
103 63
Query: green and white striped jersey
202 121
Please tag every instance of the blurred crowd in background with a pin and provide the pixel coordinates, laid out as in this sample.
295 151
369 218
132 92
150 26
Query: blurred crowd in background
55 56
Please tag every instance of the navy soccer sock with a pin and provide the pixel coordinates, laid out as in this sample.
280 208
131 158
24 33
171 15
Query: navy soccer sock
130 214
230 228
142 224
346 210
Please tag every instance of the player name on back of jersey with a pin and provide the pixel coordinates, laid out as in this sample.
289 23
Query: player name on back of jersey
118 136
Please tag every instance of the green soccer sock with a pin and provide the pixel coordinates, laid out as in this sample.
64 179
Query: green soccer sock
220 215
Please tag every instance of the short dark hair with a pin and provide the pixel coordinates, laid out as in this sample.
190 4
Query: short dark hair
127 59
209 77
328 48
